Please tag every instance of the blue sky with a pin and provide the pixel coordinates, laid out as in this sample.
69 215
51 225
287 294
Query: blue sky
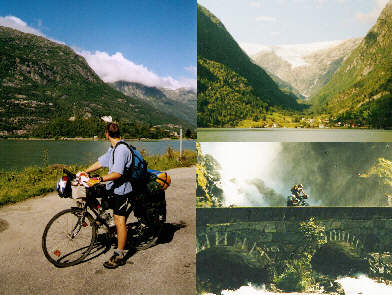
156 40
281 22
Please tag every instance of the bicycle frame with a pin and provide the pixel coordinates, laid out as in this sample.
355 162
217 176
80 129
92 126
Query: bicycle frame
86 206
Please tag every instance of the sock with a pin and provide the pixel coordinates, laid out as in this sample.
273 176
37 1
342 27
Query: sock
121 253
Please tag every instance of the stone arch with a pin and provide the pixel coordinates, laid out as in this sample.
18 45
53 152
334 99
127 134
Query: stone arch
238 239
344 236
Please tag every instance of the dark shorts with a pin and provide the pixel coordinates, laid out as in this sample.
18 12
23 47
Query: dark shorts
119 204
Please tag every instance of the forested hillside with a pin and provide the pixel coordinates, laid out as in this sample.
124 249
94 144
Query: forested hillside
231 87
361 88
46 82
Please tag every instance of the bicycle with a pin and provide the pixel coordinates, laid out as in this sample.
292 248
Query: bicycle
71 234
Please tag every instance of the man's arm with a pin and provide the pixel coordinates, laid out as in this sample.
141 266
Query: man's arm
111 176
93 167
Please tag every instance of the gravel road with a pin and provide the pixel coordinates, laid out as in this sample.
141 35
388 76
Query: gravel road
167 268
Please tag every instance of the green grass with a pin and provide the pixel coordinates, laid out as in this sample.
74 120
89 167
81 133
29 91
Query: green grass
17 186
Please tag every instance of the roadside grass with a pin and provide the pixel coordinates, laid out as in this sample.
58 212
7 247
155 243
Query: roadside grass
34 181
171 159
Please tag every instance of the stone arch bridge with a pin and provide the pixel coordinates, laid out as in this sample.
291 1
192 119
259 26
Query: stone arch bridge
266 230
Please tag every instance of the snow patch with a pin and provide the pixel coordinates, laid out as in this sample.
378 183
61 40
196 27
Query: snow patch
292 53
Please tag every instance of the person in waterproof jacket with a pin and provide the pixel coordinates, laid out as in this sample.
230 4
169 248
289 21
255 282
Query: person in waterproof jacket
118 188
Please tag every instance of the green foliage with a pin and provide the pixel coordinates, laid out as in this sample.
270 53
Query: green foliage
297 276
17 186
228 98
383 170
361 90
43 80
62 127
208 194
314 236
297 272
171 160
231 87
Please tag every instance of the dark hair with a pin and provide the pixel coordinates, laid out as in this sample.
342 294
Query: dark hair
112 130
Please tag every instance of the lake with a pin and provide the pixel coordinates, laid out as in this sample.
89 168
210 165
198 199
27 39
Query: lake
17 154
292 135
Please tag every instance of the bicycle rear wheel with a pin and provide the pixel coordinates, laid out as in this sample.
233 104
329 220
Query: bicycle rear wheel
69 237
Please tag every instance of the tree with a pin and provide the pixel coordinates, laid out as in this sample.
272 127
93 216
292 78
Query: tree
208 194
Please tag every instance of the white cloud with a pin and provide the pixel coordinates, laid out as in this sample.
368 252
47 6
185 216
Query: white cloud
110 68
18 24
116 67
372 15
266 19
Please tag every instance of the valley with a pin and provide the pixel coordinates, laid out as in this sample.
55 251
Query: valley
332 84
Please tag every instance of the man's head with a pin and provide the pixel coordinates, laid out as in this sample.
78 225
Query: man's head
112 130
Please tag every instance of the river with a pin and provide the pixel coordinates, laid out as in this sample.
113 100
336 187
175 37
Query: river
292 135
17 154
360 285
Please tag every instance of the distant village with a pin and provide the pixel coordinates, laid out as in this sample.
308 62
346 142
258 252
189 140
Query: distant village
320 123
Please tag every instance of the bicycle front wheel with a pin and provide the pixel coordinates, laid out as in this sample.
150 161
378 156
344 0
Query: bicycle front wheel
69 237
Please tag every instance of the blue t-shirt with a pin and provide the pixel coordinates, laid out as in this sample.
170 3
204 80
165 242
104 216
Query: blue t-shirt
122 162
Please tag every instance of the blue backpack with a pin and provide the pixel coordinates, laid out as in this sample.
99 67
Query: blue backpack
137 173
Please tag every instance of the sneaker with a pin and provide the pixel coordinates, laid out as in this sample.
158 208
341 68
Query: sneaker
114 261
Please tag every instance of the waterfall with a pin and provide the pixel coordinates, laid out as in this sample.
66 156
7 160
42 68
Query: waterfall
359 285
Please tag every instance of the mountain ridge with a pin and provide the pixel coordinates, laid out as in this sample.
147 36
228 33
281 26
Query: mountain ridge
361 88
42 80
316 69
231 87
180 103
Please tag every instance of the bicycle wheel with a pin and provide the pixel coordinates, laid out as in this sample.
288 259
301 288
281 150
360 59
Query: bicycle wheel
69 237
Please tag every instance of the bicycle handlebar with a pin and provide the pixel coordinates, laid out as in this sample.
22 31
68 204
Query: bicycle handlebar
69 174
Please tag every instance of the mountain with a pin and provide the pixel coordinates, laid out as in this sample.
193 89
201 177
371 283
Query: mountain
361 88
231 87
180 103
41 80
306 67
285 86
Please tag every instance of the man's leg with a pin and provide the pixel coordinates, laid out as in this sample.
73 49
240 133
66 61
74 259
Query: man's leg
119 210
121 231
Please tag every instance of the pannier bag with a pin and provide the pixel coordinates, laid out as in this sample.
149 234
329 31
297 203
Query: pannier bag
150 206
162 178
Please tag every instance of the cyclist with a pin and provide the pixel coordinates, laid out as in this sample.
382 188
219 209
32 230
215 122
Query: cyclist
117 188
301 191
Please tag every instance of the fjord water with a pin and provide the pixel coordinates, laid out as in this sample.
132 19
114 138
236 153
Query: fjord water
17 154
292 135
